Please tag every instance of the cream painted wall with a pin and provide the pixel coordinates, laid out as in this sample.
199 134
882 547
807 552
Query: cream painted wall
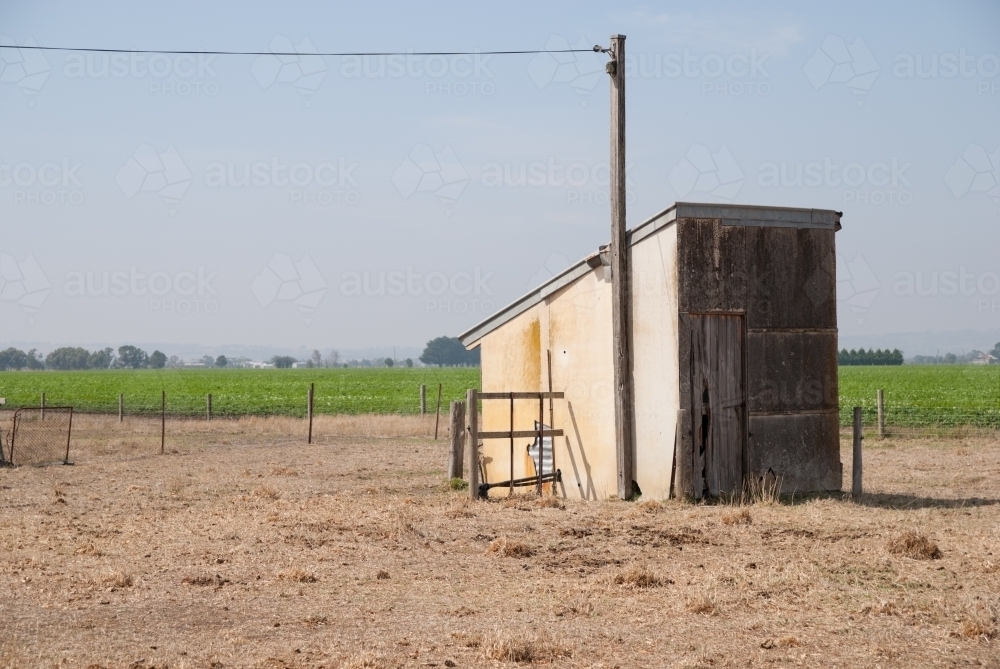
655 359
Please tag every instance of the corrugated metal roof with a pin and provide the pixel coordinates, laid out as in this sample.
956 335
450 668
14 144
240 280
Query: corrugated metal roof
729 214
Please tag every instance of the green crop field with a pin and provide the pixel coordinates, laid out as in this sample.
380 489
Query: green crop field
240 391
916 395
923 395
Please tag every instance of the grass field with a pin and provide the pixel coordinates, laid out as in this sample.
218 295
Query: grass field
243 548
916 395
240 391
921 395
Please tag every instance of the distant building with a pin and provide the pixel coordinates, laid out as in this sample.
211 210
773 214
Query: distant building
984 359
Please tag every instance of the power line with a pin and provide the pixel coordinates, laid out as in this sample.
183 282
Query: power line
596 48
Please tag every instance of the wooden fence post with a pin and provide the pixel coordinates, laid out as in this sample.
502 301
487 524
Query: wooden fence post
43 406
309 409
457 427
880 400
121 407
208 407
437 414
857 467
423 398
163 420
472 435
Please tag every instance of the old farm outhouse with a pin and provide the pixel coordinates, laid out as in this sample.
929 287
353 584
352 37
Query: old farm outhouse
734 358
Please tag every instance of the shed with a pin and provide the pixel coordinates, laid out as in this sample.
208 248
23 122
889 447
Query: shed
734 357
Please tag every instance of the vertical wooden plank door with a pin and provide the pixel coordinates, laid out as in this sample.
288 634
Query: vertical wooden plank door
718 404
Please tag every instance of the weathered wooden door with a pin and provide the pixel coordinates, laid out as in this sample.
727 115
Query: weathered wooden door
718 404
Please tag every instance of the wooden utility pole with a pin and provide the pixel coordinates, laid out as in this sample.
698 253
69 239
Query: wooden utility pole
620 294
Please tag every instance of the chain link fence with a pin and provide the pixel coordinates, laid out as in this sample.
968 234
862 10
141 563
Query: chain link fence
38 436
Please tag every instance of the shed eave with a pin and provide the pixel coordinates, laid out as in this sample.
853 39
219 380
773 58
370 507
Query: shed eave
470 338
729 214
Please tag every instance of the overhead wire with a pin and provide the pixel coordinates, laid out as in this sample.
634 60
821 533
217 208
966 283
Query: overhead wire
596 48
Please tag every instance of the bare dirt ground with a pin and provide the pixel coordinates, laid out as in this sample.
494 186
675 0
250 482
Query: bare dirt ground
244 547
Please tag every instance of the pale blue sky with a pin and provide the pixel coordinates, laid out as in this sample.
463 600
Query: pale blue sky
407 172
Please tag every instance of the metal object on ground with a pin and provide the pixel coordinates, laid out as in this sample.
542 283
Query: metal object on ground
484 488
40 437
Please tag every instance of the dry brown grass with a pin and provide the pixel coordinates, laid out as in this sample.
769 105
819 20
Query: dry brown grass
510 548
296 575
638 576
737 517
913 545
203 532
702 603
522 647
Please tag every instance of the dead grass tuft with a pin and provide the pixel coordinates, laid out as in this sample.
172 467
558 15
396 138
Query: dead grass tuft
88 549
913 545
762 489
266 492
978 627
507 647
116 580
881 608
737 517
549 502
467 639
296 575
510 548
382 575
462 510
787 642
578 605
638 576
990 567
704 604
368 661
650 506
205 580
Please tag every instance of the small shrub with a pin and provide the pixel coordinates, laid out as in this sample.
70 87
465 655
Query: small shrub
915 546
509 548
382 575
458 484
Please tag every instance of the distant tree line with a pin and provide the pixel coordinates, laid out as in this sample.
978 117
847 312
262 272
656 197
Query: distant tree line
449 352
74 357
870 357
